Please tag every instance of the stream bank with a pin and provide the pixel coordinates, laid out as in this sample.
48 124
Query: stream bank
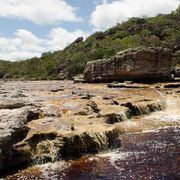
69 118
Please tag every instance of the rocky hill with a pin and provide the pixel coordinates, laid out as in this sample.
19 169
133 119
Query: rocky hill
159 31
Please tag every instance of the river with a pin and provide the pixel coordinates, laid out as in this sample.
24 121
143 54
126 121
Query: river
148 155
149 149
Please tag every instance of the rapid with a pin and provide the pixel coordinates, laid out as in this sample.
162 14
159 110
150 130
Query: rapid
148 148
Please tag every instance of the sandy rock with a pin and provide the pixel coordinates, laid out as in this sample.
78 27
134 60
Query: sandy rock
67 124
13 129
138 64
172 85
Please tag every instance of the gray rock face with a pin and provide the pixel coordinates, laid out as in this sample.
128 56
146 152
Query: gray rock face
176 71
16 110
13 129
138 64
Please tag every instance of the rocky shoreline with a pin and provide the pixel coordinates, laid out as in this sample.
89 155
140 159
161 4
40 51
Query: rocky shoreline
50 120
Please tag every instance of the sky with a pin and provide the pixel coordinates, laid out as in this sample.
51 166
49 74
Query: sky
30 27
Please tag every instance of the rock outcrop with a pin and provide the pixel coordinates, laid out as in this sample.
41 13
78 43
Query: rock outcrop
60 119
62 67
16 110
138 64
176 71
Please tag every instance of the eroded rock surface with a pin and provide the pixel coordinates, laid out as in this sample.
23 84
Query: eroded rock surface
138 64
16 110
58 118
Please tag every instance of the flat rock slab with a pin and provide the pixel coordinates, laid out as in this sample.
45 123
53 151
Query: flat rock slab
172 85
137 64
124 85
52 124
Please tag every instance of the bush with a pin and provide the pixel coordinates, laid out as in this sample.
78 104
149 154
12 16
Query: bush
46 54
153 41
120 34
98 35
127 42
113 30
77 64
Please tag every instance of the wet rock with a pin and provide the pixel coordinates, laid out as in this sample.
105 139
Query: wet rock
123 85
49 112
15 99
83 110
128 82
133 108
18 95
89 141
13 129
172 85
10 104
52 143
158 105
78 78
114 114
81 93
93 105
145 106
107 97
176 71
57 90
85 97
69 123
112 102
169 92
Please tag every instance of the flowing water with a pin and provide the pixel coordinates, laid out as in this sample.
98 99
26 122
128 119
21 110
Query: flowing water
148 155
153 153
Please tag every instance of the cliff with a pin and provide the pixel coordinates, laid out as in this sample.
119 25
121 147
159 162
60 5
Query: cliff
136 64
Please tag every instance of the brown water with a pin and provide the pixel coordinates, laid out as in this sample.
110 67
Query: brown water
148 155
153 153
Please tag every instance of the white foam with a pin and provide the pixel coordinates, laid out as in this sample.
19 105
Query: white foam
150 131
48 169
117 155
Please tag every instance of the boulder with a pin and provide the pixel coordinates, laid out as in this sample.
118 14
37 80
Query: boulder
176 71
137 64
13 100
16 110
78 78
79 40
13 129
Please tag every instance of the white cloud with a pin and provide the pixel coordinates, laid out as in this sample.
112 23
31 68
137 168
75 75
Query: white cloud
61 37
107 15
18 55
41 12
97 2
26 45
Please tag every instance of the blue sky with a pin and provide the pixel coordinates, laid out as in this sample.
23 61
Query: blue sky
30 27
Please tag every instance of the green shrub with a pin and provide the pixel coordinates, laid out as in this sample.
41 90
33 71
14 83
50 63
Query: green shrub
153 41
46 54
77 64
120 34
127 42
113 30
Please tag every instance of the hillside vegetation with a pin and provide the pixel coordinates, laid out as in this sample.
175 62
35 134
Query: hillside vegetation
162 30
